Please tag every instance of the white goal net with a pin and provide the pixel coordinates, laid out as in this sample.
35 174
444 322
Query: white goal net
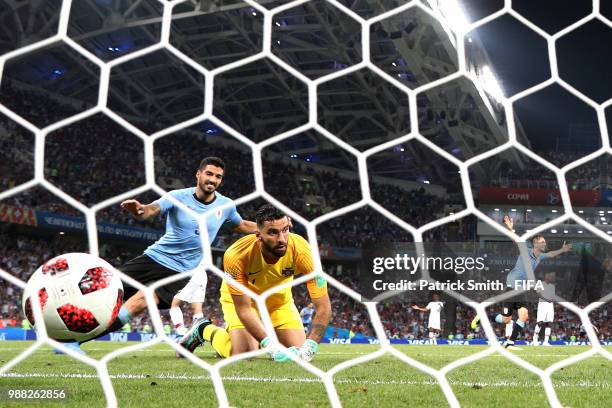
445 12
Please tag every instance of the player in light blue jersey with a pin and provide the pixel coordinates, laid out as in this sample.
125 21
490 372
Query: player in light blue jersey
179 249
306 315
514 280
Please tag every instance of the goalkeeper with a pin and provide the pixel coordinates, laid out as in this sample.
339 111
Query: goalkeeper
268 258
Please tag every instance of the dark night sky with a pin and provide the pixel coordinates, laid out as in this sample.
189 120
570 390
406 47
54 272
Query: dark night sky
519 58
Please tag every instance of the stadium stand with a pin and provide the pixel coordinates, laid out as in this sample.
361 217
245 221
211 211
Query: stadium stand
96 173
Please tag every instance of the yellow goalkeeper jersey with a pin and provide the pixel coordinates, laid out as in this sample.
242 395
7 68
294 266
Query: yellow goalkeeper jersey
245 263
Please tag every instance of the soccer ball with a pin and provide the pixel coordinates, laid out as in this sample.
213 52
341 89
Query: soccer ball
80 296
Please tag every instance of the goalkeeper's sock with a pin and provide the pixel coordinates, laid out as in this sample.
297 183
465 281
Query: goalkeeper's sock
218 337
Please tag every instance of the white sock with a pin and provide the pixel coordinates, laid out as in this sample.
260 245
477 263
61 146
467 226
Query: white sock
509 327
536 333
546 334
176 315
198 316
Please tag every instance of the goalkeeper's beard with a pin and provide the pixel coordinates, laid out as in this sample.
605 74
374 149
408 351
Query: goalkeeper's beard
279 250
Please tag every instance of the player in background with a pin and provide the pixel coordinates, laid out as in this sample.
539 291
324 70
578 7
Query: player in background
517 275
179 249
434 307
267 259
306 315
546 310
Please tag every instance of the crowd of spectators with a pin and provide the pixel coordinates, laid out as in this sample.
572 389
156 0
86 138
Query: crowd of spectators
562 158
533 175
35 106
41 199
594 174
360 227
328 189
178 156
94 159
17 153
417 207
337 191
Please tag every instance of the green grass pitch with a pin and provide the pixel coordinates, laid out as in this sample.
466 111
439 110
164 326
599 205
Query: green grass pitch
153 377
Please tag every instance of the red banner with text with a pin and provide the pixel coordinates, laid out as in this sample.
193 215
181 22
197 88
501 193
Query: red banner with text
533 196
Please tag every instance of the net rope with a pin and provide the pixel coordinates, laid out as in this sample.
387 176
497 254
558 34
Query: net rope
456 37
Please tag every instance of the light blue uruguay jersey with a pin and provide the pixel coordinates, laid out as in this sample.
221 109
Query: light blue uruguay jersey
307 314
180 247
519 273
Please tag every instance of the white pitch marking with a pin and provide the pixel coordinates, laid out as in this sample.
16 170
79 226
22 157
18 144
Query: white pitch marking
183 377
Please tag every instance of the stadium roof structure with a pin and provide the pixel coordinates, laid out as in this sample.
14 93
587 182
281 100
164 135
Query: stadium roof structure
260 99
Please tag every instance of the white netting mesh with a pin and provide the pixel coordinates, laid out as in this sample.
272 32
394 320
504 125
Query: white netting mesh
440 10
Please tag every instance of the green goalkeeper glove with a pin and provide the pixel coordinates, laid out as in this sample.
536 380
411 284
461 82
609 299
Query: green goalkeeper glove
279 355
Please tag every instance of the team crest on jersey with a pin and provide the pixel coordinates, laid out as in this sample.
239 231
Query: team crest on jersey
219 214
288 272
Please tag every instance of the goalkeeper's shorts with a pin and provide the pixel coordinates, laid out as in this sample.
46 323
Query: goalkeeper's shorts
286 316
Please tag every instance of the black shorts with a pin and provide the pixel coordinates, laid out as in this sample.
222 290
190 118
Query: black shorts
146 271
510 307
